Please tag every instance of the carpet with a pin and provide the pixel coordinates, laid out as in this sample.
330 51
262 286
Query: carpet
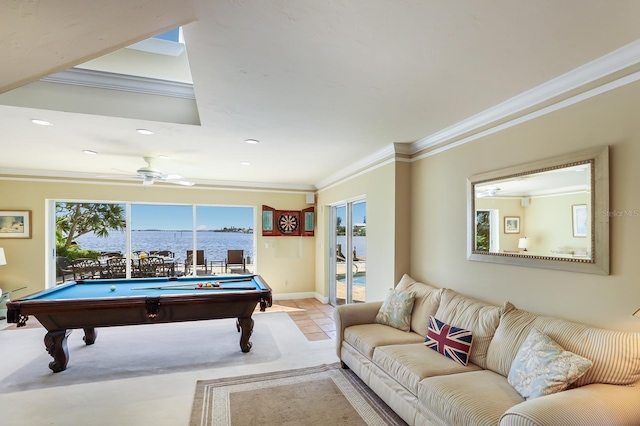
135 351
322 395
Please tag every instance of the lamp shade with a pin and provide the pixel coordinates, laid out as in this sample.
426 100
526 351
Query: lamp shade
523 243
3 260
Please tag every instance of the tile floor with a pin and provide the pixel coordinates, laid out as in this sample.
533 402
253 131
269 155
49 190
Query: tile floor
314 319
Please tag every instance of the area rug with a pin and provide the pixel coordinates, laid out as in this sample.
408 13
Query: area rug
136 351
322 395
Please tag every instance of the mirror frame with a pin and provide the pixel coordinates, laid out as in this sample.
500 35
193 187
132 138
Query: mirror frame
598 159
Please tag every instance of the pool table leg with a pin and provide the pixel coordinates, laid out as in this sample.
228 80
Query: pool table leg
90 335
246 325
56 344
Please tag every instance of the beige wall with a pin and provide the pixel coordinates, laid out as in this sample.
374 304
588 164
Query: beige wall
550 225
378 186
287 264
438 244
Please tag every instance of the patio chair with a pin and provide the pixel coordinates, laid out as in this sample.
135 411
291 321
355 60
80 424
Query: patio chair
86 269
63 267
201 262
116 268
153 266
235 258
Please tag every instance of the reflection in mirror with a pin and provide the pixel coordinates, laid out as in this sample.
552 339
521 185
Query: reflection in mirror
543 214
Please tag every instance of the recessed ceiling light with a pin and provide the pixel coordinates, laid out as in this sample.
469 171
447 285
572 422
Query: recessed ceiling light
144 131
245 163
89 152
41 122
252 141
163 157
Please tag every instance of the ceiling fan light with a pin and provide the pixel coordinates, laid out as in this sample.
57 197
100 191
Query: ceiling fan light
41 122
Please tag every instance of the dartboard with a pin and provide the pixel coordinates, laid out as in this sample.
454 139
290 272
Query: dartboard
288 223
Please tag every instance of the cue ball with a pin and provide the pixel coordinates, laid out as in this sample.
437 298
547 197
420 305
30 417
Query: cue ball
113 288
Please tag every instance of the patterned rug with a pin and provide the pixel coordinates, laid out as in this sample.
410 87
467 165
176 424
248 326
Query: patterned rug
322 395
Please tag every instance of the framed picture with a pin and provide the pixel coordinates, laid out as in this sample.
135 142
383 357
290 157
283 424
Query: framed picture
579 220
511 224
15 223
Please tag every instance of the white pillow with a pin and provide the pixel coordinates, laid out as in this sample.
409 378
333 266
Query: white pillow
543 367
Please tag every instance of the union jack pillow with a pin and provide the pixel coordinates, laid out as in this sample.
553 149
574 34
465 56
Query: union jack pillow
452 342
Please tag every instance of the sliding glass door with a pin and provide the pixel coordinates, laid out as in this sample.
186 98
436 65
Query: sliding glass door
348 252
134 240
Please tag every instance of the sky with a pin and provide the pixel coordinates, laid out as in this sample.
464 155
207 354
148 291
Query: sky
167 217
359 213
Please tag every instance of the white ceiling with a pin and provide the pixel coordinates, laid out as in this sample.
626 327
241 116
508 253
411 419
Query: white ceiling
321 84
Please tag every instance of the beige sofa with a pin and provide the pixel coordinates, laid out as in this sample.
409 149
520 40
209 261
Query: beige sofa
426 388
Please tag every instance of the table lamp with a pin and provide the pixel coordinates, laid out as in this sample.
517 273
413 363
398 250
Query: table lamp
523 243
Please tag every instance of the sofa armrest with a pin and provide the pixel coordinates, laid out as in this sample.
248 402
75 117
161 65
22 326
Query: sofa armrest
348 315
596 404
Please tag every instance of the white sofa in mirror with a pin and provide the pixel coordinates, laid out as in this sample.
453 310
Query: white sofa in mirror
551 214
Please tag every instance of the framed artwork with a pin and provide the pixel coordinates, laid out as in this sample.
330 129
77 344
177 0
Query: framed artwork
15 223
579 220
511 224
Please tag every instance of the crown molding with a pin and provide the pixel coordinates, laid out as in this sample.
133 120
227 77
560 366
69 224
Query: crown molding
608 64
365 163
602 67
122 82
91 179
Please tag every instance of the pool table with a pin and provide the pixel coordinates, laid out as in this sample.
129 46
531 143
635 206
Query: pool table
105 303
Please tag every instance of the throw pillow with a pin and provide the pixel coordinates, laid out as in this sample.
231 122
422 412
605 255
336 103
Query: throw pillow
452 342
543 367
396 310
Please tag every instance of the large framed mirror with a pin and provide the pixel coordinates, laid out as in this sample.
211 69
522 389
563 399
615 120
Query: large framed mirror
552 213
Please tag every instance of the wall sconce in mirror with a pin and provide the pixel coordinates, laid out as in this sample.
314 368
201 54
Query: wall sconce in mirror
561 204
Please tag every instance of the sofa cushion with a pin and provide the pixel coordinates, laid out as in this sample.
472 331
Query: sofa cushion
427 300
479 317
473 398
452 342
615 354
410 363
366 337
396 310
543 367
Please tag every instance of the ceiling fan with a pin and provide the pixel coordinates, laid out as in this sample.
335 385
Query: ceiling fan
489 192
149 174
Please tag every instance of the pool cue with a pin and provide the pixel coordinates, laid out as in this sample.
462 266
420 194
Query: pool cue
192 287
184 285
195 288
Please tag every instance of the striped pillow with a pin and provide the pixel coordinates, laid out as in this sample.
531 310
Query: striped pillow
615 354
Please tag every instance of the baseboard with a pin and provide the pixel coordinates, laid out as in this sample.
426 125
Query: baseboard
301 295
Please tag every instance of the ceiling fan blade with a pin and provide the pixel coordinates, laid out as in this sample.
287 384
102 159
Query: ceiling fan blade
171 177
181 182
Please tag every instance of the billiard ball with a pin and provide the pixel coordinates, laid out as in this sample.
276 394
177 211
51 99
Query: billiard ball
112 288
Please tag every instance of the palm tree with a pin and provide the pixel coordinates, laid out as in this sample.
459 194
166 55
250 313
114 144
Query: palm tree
76 219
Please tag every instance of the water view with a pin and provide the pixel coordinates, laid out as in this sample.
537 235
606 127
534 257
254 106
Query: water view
214 244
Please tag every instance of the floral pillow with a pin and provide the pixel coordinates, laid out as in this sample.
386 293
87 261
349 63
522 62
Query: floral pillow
543 367
396 310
